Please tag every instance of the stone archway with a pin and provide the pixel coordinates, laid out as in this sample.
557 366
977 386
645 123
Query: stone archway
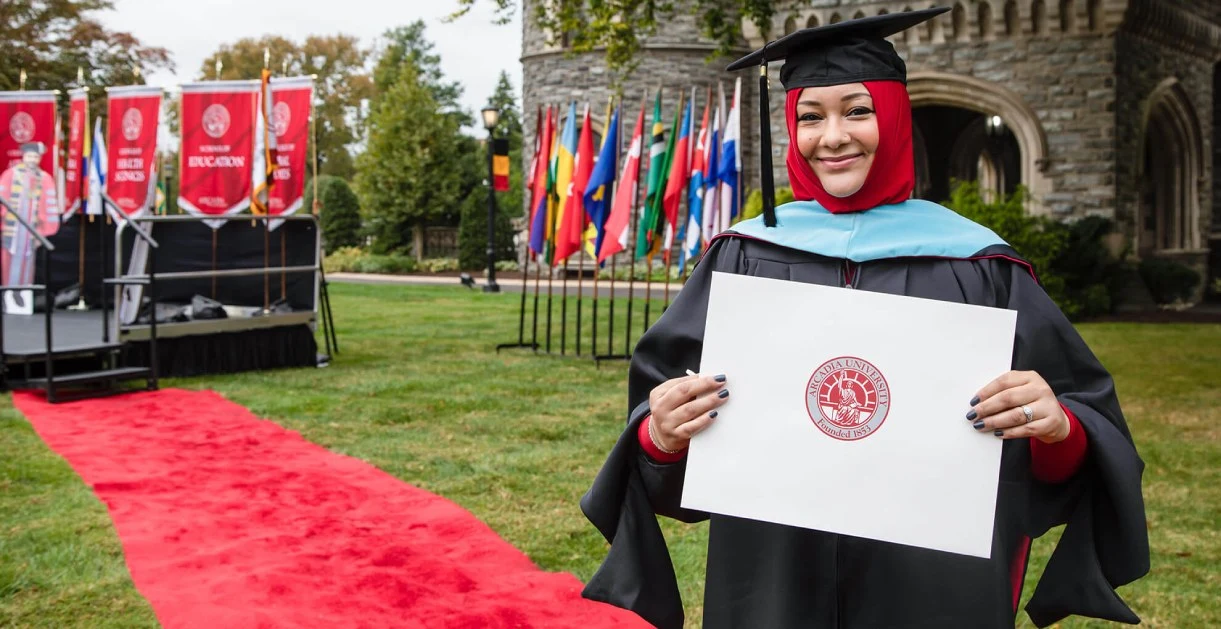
1172 156
964 92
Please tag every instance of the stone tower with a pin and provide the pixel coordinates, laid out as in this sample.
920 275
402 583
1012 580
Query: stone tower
1097 107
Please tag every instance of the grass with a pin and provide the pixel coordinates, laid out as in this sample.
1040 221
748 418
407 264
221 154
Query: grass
515 438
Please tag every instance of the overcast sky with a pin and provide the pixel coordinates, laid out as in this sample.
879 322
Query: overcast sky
473 50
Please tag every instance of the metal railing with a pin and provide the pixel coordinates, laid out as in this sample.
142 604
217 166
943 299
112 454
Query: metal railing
48 297
119 281
266 270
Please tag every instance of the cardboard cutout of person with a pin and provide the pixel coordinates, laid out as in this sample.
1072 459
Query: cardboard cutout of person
30 191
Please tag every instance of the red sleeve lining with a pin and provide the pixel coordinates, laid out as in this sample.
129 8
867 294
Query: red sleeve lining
1058 462
651 449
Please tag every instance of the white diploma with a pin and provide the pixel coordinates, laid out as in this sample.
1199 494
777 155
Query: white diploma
847 413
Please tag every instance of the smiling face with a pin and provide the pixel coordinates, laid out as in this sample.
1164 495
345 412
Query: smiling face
837 133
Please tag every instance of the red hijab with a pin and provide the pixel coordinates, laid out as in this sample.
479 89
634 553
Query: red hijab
892 176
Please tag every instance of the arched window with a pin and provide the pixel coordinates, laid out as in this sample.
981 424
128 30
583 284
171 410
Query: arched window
835 19
985 20
858 15
1012 27
812 22
1038 18
1094 15
910 35
931 27
1068 16
959 22
1173 162
790 25
883 12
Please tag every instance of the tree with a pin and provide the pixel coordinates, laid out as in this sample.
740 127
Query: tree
417 168
338 211
342 85
52 39
473 232
407 45
620 25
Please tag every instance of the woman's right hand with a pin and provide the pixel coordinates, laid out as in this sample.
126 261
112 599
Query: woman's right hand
682 407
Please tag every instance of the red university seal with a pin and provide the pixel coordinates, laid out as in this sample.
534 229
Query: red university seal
848 398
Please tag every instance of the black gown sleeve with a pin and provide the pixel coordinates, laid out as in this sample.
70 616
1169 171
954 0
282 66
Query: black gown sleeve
1105 543
630 489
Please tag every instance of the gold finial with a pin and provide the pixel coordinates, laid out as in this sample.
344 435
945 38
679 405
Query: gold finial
22 78
266 58
80 75
219 65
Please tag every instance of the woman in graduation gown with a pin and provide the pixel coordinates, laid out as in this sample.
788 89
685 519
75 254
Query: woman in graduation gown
1067 458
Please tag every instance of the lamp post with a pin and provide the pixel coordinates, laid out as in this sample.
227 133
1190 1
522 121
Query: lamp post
491 116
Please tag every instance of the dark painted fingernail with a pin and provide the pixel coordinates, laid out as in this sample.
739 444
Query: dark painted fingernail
723 393
975 400
979 424
971 414
998 433
712 415
720 378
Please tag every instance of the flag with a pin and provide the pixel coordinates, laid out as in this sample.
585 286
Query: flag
538 196
565 163
131 140
264 160
731 160
615 234
159 199
712 171
538 136
597 193
657 164
553 194
97 171
693 230
500 165
676 183
658 229
573 219
78 160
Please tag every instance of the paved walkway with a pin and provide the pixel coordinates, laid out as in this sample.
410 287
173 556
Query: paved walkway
509 284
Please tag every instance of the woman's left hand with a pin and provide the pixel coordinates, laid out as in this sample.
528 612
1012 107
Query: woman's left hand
998 407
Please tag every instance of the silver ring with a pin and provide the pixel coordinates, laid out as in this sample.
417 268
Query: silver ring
1028 413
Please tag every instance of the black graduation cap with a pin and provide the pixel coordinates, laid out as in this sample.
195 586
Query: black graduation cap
854 51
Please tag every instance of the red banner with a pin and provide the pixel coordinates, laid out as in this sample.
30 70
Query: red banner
131 139
74 170
27 117
217 120
290 117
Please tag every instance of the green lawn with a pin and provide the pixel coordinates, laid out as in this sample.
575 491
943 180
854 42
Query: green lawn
419 392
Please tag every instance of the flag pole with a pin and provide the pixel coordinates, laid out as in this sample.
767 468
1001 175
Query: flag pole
607 200
631 277
525 268
538 274
81 177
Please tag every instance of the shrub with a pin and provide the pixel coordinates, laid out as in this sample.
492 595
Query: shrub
1168 281
473 231
354 260
342 260
438 265
338 211
754 202
1092 276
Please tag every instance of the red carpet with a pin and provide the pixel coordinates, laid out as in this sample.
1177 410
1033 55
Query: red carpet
231 521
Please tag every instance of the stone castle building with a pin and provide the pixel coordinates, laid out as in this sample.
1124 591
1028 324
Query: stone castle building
1097 107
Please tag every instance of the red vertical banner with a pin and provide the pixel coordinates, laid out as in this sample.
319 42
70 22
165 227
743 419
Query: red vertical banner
131 136
27 117
217 120
74 170
290 118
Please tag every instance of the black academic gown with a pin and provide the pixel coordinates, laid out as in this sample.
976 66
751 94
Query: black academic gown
779 577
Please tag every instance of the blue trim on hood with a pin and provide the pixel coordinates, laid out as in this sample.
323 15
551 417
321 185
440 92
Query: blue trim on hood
914 228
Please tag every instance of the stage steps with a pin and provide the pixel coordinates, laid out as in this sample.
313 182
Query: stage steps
81 364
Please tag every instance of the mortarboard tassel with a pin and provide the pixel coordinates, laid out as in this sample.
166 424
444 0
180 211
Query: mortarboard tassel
765 148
